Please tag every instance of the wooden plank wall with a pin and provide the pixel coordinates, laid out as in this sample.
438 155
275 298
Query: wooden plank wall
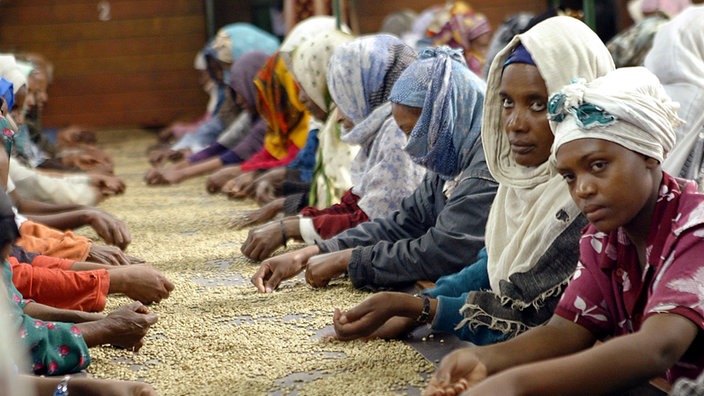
135 69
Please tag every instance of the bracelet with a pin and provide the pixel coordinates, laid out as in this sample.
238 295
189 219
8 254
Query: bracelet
424 316
62 387
284 237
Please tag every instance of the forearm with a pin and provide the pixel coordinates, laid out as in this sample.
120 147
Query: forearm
34 207
203 167
292 227
88 266
47 313
66 220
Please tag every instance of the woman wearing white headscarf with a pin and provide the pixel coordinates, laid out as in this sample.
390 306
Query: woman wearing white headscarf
677 59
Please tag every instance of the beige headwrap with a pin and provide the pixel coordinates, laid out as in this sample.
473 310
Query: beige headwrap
524 219
677 59
637 113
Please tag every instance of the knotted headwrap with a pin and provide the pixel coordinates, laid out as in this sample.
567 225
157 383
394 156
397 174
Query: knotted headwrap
452 99
628 106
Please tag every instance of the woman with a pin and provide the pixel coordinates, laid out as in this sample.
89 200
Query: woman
533 227
360 76
326 166
219 153
286 121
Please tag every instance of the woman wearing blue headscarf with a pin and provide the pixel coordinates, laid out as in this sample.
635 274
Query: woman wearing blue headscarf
438 101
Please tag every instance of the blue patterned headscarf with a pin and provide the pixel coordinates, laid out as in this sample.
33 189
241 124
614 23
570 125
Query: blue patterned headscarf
452 99
363 71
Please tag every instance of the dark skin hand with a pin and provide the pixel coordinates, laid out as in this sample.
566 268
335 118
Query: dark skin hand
237 188
217 180
276 269
140 282
322 268
382 315
124 327
108 185
263 192
262 241
266 212
111 255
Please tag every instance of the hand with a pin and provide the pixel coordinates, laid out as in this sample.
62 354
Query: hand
276 269
140 282
266 212
156 176
108 185
236 188
369 316
458 371
262 241
124 327
322 268
218 179
264 192
111 255
74 135
112 230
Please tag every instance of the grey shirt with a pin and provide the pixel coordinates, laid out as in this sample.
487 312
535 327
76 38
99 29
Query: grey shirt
428 237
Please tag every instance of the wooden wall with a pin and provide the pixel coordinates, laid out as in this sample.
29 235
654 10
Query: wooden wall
133 68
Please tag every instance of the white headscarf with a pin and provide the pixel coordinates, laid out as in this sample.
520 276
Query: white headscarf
677 59
632 109
532 203
11 71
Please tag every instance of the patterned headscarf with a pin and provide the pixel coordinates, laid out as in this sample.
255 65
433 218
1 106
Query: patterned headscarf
462 26
234 40
307 29
361 74
628 106
310 65
243 72
278 104
452 101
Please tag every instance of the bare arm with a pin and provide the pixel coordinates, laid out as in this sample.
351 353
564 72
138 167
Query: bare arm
47 313
657 346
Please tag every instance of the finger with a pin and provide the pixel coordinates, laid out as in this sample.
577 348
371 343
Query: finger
168 285
273 282
150 319
258 278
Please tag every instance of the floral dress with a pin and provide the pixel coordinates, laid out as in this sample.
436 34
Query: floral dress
55 348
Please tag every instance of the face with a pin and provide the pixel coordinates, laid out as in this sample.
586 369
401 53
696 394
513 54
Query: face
216 69
312 108
37 90
524 99
612 185
406 117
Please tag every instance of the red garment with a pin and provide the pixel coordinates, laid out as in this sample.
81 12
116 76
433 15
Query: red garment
610 295
333 220
49 281
264 160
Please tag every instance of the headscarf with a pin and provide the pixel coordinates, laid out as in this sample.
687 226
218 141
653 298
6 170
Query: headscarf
243 72
452 101
362 73
278 104
398 22
532 207
307 29
677 59
463 25
628 106
10 70
310 65
234 40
